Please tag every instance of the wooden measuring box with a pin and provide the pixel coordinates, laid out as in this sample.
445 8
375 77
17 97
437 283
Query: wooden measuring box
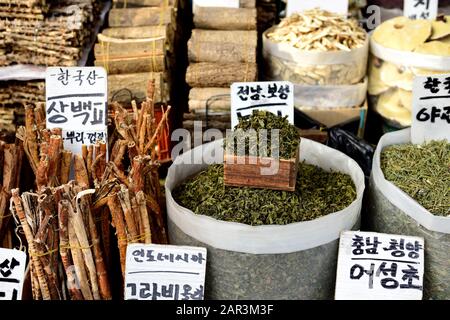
246 172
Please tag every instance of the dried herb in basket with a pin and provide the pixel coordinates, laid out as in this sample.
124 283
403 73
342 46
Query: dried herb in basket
318 193
289 137
422 171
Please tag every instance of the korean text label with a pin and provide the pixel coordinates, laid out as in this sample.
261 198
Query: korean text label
274 96
431 108
12 274
162 272
76 101
375 266
421 9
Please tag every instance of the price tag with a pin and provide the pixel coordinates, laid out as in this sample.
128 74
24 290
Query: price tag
431 109
336 6
76 101
274 96
162 272
216 3
12 273
376 266
421 9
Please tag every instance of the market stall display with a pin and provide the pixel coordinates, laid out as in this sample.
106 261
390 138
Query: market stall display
138 46
222 50
325 56
408 194
123 191
47 32
296 256
402 49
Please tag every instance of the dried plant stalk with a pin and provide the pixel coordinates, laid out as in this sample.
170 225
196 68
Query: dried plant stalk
20 213
118 221
72 282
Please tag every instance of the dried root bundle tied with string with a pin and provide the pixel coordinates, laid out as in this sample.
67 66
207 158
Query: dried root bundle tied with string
207 74
65 250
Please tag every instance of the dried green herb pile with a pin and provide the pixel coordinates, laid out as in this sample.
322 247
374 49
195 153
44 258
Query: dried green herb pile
317 194
422 171
289 137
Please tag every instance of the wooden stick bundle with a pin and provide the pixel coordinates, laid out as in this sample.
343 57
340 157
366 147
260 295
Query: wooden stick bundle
206 74
223 46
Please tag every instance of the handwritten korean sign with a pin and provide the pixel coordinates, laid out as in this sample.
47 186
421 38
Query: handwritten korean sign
376 266
12 273
431 108
421 9
336 6
217 3
76 101
162 272
274 96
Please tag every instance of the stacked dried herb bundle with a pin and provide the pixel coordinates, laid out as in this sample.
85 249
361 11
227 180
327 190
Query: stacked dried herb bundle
51 32
242 137
318 193
422 171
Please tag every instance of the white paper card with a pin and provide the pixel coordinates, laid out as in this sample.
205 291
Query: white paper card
376 266
431 109
163 272
12 273
76 101
216 3
421 9
336 6
274 96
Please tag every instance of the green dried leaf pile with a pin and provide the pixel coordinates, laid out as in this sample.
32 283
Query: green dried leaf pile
317 194
421 171
289 137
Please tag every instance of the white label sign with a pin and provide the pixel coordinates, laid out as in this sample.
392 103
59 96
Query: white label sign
336 6
12 273
421 9
431 109
76 101
274 96
376 266
216 3
162 272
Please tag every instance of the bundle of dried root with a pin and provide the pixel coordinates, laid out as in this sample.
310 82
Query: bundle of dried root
10 166
66 253
319 30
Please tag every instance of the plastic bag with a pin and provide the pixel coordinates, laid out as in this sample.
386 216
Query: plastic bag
393 211
283 62
325 97
352 146
265 262
391 77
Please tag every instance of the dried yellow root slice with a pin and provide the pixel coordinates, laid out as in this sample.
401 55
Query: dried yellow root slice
437 48
389 107
402 33
395 76
376 85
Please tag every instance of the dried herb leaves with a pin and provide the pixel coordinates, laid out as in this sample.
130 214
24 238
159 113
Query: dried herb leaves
317 194
289 136
422 171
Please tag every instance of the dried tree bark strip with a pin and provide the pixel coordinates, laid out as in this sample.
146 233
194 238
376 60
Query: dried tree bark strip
72 281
